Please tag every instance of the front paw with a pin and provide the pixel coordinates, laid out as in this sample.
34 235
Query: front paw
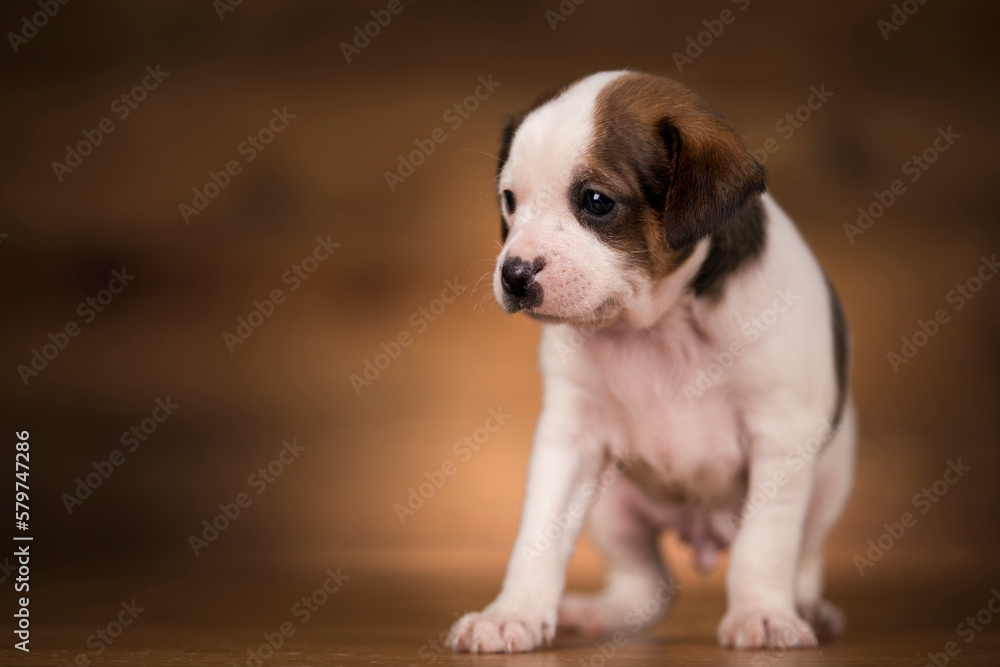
502 630
764 628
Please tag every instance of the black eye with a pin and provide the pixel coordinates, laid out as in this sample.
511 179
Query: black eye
508 199
596 204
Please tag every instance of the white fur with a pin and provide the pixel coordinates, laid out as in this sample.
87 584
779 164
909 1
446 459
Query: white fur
618 393
580 273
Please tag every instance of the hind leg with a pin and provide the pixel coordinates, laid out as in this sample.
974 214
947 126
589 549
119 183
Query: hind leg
834 474
624 525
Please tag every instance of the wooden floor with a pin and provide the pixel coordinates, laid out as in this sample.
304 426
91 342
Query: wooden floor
389 620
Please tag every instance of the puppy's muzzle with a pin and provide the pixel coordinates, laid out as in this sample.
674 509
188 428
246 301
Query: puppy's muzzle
521 290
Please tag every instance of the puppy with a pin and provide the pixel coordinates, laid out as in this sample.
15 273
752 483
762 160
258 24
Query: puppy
695 369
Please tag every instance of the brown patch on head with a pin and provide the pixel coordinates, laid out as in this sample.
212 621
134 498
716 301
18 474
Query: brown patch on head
676 168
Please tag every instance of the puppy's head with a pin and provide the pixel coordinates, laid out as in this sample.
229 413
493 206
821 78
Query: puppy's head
606 187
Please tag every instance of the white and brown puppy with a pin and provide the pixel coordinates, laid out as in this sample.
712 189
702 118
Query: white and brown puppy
695 369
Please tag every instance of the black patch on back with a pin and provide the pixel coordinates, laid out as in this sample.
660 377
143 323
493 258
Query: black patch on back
736 245
841 352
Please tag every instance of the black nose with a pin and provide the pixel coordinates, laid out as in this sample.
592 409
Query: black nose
518 278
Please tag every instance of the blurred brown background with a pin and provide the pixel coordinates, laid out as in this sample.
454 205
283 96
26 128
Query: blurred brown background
324 176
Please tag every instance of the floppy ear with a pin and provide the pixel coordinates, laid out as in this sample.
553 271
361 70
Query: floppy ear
714 177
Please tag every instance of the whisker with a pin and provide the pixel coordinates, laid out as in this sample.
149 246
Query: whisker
480 261
476 150
487 305
485 280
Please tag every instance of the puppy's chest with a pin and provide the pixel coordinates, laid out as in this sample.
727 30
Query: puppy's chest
689 443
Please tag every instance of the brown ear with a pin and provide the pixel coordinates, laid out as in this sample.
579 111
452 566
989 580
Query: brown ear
714 177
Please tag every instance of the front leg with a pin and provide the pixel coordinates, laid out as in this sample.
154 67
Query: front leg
562 484
764 557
